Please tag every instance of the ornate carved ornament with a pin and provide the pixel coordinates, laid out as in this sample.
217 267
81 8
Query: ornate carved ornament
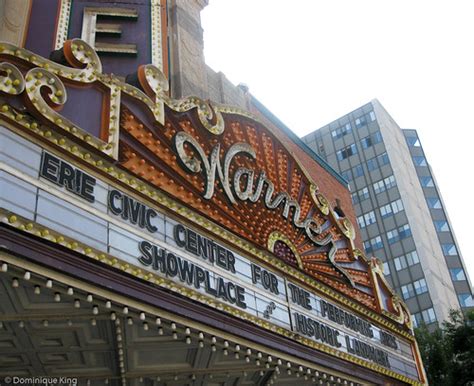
220 161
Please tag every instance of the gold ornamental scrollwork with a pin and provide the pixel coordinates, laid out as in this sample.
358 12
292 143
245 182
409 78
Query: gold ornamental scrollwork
84 67
12 83
44 86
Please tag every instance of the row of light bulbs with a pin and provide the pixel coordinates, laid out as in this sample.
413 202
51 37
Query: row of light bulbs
276 366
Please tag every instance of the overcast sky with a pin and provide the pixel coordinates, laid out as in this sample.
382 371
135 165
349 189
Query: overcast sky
312 61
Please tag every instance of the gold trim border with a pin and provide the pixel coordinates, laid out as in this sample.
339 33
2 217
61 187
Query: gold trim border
155 197
63 23
45 233
156 35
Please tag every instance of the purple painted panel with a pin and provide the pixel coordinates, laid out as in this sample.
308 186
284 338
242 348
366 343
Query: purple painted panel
84 108
41 28
133 32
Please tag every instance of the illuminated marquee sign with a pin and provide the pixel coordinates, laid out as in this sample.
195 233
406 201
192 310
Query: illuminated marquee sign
244 186
219 161
188 258
204 199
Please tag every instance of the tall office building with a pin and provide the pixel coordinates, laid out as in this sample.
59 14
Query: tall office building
399 209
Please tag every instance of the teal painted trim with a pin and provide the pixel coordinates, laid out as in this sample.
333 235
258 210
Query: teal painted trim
268 114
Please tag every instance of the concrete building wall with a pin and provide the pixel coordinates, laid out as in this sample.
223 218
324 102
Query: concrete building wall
435 270
441 223
369 149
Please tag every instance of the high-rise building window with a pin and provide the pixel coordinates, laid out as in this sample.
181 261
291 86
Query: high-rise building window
355 198
390 182
376 243
392 236
413 141
386 269
358 171
416 319
457 274
419 160
372 164
397 206
391 208
465 300
363 194
449 249
366 219
346 152
386 210
373 244
400 263
404 261
433 202
404 231
420 286
367 247
341 131
379 187
383 159
407 291
370 218
385 184
371 140
372 116
361 121
398 234
441 226
412 258
427 182
429 315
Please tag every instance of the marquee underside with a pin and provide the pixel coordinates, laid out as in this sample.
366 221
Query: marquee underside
56 325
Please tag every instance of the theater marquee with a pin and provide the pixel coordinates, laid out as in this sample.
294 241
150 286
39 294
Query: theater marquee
198 198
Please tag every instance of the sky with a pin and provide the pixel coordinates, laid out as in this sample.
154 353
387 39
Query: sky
312 61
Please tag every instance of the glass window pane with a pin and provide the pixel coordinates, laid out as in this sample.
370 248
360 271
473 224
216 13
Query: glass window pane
404 231
413 141
449 249
383 159
429 315
407 291
358 171
433 202
367 247
420 286
370 218
441 226
372 164
389 182
426 182
465 300
457 274
355 198
364 194
386 210
386 269
412 258
400 263
419 160
392 236
376 243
